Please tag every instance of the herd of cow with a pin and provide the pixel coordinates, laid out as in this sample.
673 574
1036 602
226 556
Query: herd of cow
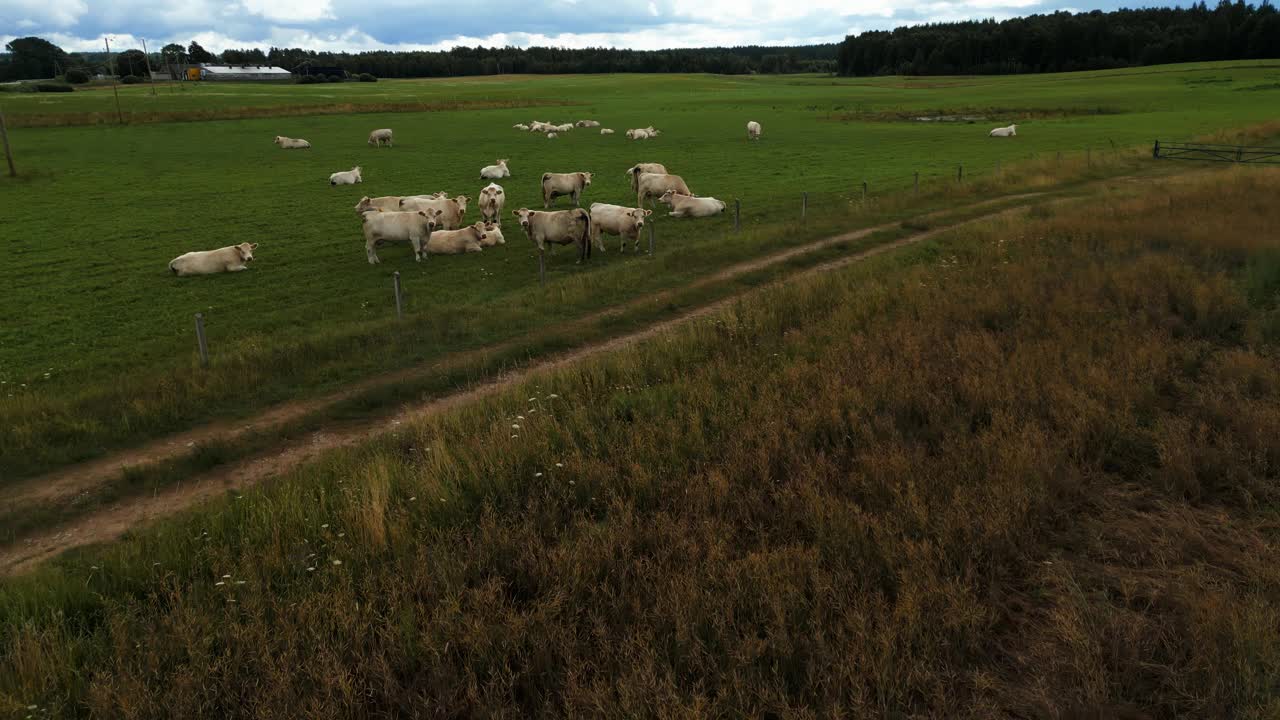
433 224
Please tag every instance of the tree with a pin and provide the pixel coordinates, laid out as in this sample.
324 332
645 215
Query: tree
131 62
173 52
197 54
33 58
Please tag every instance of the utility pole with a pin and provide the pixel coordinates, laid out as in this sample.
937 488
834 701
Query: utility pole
119 114
146 56
8 154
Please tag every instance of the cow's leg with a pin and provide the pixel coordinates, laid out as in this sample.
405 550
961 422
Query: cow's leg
369 251
416 242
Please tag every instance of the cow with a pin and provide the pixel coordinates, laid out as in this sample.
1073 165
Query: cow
633 173
566 127
378 137
232 258
492 198
606 131
521 126
539 126
493 235
686 206
552 136
753 130
496 171
451 210
560 227
555 184
288 143
1010 131
413 227
454 242
587 123
346 177
638 134
653 185
386 202
617 220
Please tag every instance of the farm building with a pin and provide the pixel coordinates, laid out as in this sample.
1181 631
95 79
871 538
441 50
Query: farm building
240 73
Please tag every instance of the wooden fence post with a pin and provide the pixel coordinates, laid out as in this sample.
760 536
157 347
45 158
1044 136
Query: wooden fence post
864 190
804 205
396 280
200 340
737 214
542 268
651 231
8 154
1155 150
960 172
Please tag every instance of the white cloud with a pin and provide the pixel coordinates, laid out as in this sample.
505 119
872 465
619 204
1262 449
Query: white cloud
41 13
287 11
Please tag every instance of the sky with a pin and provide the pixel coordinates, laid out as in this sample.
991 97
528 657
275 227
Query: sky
355 25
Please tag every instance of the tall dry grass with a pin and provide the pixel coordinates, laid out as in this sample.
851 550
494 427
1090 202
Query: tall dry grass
1030 473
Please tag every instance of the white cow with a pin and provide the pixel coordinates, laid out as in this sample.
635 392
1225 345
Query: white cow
1010 131
521 126
288 143
556 184
633 172
378 137
346 177
540 126
455 242
450 210
493 235
386 202
232 258
552 136
384 227
561 227
587 123
686 206
492 198
653 185
606 131
566 127
617 220
753 130
638 134
495 172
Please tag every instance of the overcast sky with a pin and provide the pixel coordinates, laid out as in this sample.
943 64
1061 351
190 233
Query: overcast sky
354 25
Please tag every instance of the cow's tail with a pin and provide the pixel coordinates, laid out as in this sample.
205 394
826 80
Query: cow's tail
586 235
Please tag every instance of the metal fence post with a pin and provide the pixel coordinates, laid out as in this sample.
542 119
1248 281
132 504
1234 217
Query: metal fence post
396 278
542 268
737 214
200 340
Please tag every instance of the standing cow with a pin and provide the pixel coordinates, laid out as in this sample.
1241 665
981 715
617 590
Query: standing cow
753 130
556 184
653 185
378 137
492 198
560 227
383 227
617 220
633 173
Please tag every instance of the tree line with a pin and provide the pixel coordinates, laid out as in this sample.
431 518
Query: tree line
1064 42
36 58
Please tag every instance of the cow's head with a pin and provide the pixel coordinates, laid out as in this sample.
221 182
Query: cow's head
245 250
669 197
356 170
586 178
432 217
365 204
502 162
637 216
462 201
278 140
495 232
525 216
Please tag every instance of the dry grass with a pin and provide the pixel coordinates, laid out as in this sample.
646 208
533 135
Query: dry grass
1030 474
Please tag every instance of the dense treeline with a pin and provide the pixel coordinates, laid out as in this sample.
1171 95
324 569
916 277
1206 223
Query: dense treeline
37 58
1063 42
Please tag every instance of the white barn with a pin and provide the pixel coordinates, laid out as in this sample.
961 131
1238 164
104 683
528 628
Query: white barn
243 73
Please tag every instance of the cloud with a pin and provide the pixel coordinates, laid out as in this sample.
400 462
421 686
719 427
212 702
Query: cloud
355 25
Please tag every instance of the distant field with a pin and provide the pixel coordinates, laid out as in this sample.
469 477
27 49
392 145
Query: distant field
90 310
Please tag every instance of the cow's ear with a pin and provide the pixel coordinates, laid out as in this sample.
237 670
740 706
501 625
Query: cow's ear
253 246
648 212
423 214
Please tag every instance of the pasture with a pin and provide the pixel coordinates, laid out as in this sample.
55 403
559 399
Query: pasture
96 343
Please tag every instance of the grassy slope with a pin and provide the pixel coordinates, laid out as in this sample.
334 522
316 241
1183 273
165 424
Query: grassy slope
1034 474
89 304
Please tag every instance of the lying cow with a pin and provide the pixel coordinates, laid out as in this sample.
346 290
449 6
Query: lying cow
493 235
378 137
346 177
556 184
521 126
495 172
492 198
653 185
633 173
566 127
1010 131
232 258
451 210
385 227
638 134
552 136
386 202
288 143
606 131
587 123
617 220
560 227
686 206
753 130
455 242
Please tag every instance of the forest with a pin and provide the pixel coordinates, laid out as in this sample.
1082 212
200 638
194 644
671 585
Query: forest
1064 42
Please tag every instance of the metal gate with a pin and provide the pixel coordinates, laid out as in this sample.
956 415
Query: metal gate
1215 153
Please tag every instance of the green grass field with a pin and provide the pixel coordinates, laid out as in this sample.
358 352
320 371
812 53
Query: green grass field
96 342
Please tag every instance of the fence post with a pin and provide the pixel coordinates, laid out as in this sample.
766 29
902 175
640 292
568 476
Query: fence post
1060 155
1155 150
917 182
542 268
200 340
960 172
396 279
804 205
1240 153
737 214
8 154
864 190
651 231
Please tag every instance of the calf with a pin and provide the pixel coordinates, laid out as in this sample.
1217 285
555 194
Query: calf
383 227
346 177
232 258
685 206
289 143
378 137
496 171
556 184
653 185
561 227
492 198
617 220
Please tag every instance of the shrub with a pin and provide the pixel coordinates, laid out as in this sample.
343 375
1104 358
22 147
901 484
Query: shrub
366 77
306 79
76 77
130 79
53 87
335 78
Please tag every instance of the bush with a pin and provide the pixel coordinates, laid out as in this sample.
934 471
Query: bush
53 87
335 78
76 77
366 77
130 79
306 79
